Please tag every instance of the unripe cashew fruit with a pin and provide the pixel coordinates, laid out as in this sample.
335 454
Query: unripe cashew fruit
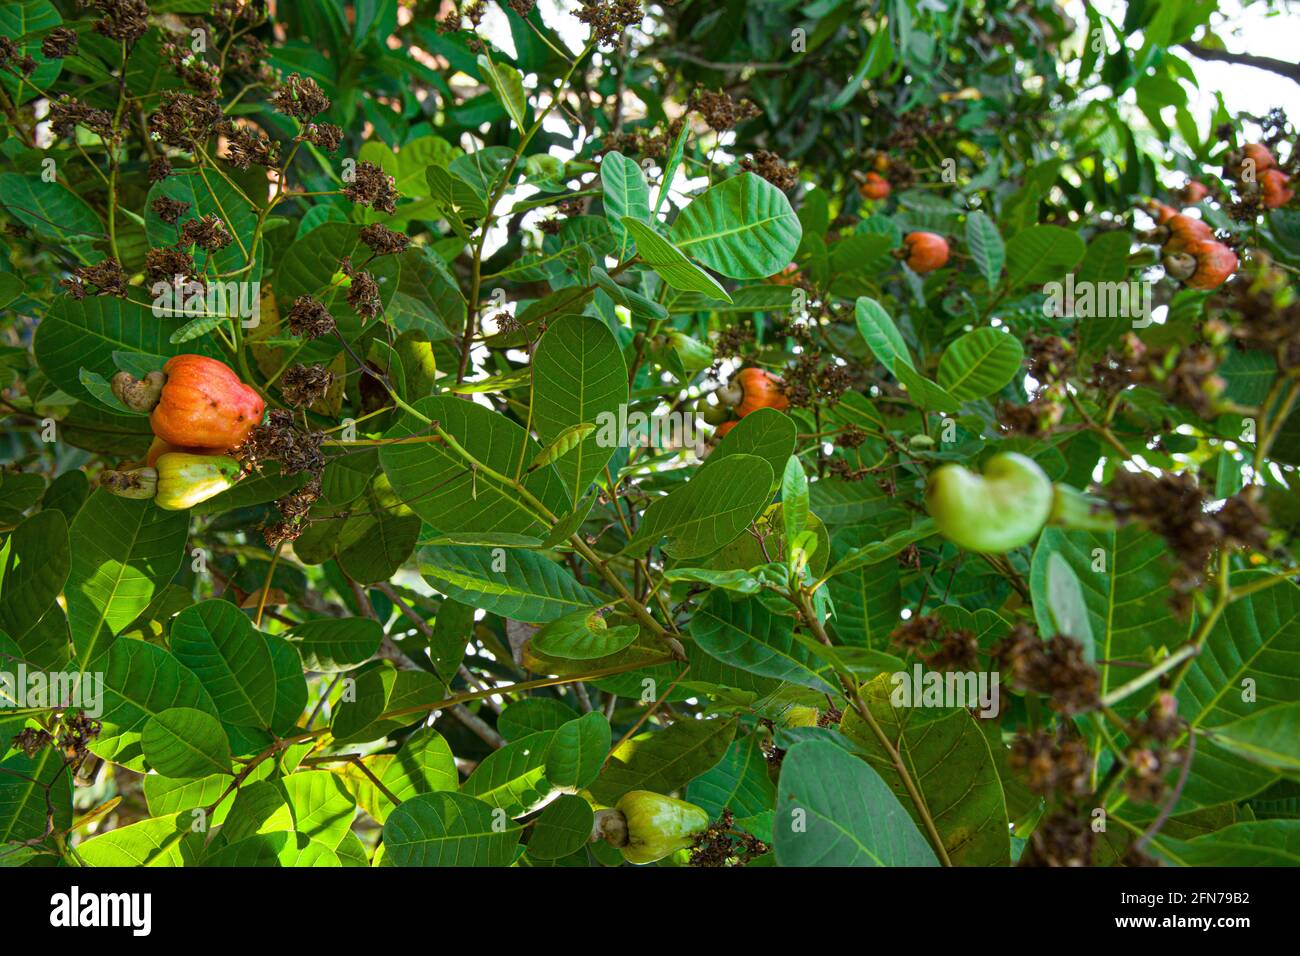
991 513
186 480
800 716
178 480
751 389
875 187
195 402
657 825
926 251
711 413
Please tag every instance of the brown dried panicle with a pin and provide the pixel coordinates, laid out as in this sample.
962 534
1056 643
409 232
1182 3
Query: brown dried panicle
279 439
305 384
164 265
207 232
193 69
384 241
810 380
107 278
169 210
609 18
300 97
324 136
59 42
721 845
1052 766
76 732
1055 667
770 166
373 187
363 294
958 650
185 119
160 168
917 631
719 111
32 740
1049 357
122 20
522 7
1061 839
295 505
67 113
734 341
1036 418
247 147
1174 507
309 318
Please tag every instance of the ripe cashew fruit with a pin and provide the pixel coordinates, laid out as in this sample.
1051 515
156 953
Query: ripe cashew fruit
926 251
992 513
195 402
875 187
751 389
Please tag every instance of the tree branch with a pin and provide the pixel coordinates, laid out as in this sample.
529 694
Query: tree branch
1281 67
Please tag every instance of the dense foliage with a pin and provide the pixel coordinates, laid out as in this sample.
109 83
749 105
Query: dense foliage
854 432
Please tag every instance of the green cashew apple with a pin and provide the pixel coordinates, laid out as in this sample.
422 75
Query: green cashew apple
657 825
991 513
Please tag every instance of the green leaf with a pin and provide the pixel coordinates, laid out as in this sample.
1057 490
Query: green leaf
533 715
879 551
1042 254
447 829
185 743
949 758
1124 576
582 636
52 210
330 645
765 433
745 634
986 246
739 782
1264 843
1270 737
123 552
834 810
577 751
979 363
1066 605
1256 639
625 194
711 509
379 690
437 484
564 443
216 641
563 828
663 760
34 563
508 87
322 808
521 585
140 682
157 841
579 378
513 778
881 334
30 788
743 228
670 262
794 499
84 333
